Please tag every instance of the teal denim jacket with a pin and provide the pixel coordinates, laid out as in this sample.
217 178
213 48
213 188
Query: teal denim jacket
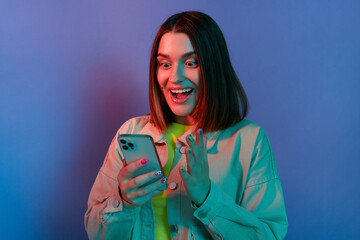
245 199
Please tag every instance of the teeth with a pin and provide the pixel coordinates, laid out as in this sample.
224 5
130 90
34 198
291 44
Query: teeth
181 90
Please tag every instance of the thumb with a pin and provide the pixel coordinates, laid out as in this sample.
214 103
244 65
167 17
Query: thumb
184 174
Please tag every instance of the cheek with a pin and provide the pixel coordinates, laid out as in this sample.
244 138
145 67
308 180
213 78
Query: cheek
161 78
194 77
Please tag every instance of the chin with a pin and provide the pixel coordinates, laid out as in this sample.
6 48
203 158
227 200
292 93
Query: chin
181 113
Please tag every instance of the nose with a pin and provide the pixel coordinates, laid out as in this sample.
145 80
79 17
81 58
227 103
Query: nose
177 73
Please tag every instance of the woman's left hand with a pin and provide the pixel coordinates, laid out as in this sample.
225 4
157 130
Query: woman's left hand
196 176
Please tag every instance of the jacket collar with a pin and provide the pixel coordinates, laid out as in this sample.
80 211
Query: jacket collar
159 137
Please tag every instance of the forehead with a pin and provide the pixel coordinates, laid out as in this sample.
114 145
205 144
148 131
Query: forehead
175 44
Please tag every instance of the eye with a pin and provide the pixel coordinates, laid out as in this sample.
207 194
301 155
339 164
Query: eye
192 64
165 65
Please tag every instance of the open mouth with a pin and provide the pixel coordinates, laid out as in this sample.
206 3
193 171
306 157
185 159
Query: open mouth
181 93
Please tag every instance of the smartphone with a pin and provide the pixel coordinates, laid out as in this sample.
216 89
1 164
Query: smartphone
138 146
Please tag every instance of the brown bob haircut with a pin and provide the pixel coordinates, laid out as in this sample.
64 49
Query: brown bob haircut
222 101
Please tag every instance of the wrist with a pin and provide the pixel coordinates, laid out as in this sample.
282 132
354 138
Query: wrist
199 203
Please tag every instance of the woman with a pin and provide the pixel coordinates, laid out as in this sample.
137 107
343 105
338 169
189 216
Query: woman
220 171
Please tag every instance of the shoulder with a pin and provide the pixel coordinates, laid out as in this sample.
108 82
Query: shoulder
245 129
246 125
135 125
246 133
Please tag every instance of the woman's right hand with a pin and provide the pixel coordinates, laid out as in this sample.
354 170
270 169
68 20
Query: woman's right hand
132 189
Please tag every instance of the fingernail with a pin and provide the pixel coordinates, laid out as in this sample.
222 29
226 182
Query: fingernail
143 162
183 169
164 180
190 150
158 173
201 131
191 138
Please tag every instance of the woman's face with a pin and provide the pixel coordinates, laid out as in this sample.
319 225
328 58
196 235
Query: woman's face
178 75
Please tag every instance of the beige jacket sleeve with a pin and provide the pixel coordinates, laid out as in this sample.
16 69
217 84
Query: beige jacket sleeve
107 216
260 213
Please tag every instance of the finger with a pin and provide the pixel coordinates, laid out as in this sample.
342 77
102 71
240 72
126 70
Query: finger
148 189
144 199
185 175
190 160
200 142
123 160
141 180
187 160
128 171
193 146
200 139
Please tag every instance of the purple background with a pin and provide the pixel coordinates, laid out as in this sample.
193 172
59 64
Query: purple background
71 72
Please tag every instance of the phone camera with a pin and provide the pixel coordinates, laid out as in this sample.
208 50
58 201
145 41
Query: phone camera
127 144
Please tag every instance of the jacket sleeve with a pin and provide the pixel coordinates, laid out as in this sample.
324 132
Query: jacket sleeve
260 214
107 217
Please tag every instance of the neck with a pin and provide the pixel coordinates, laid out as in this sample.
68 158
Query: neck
186 120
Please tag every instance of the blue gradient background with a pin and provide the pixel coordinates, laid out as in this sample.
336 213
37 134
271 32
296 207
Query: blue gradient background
71 72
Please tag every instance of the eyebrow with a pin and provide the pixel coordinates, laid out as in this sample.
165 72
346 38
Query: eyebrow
182 56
